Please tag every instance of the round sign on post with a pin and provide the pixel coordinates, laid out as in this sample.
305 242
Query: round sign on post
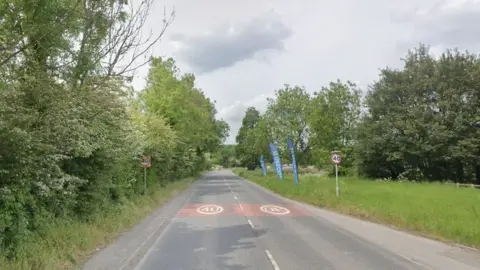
146 162
336 158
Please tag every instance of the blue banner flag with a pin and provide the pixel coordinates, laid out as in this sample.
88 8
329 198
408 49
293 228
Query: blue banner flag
276 160
262 165
294 160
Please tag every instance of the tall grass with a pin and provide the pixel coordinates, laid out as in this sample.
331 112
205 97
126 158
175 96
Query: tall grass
439 211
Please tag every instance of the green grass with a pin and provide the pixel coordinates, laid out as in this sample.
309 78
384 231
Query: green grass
67 244
439 211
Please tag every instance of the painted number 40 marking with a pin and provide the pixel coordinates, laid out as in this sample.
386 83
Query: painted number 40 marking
274 209
210 209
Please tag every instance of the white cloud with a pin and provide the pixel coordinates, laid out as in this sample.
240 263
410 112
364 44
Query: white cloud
234 113
241 50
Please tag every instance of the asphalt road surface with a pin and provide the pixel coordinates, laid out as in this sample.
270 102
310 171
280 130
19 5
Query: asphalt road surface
225 222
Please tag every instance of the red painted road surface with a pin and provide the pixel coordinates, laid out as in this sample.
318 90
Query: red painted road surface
210 210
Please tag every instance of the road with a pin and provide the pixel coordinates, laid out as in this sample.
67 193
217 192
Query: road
225 222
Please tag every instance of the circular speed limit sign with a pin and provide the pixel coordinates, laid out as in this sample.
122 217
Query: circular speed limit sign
336 158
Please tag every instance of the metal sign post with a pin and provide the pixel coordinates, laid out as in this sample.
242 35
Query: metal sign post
146 163
336 159
145 180
337 188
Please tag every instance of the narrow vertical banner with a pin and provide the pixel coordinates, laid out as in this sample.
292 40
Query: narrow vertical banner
262 165
276 160
294 160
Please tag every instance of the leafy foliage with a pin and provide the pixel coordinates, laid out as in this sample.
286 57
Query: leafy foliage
72 131
286 117
334 116
419 122
226 157
414 123
245 148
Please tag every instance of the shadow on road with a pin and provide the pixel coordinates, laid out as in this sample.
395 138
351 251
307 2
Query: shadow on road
189 247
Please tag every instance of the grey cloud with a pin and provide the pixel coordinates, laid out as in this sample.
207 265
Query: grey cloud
445 24
223 48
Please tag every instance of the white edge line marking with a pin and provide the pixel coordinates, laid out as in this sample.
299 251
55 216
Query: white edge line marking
249 222
414 261
465 247
272 260
135 252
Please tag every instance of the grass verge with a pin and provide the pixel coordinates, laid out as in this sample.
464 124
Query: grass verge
67 244
439 211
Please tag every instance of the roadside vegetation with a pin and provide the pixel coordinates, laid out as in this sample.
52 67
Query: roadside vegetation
73 131
402 138
413 123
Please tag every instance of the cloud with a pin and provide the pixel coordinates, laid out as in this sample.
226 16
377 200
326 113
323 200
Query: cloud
228 44
447 24
235 112
309 44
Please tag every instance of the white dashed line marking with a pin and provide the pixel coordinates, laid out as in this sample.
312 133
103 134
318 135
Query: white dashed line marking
272 260
249 222
235 197
199 249
241 207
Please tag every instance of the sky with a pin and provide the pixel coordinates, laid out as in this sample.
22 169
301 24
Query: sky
242 51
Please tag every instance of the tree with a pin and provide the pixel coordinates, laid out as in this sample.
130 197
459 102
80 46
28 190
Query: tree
418 124
220 134
333 118
249 121
227 156
70 117
286 117
187 111
244 150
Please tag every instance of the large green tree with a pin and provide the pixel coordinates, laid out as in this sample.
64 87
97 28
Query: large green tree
187 111
72 131
286 117
419 121
333 118
416 122
244 149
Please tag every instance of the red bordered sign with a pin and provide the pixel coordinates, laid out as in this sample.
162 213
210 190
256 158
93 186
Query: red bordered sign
146 162
336 158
